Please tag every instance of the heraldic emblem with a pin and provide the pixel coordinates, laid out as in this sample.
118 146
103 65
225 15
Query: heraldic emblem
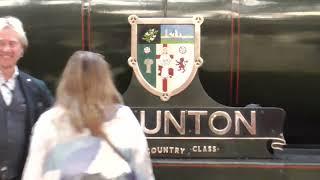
165 53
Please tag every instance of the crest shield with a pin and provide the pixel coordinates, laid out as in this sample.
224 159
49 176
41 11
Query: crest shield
165 53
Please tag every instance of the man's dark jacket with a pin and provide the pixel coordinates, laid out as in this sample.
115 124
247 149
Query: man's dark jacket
38 99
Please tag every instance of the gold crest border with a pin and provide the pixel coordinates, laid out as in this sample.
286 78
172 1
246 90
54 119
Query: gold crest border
132 61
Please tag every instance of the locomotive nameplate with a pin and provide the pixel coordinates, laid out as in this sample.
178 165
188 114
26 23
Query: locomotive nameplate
224 132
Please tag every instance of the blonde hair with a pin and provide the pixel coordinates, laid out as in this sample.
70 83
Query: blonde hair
87 92
16 25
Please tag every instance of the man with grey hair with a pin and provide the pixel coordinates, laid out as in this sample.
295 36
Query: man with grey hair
22 99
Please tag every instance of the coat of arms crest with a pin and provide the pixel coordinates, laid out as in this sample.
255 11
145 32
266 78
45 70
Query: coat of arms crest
165 53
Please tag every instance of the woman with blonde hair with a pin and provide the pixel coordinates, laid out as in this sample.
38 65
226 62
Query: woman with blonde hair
89 133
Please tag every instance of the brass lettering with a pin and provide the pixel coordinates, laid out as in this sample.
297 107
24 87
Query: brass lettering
214 148
198 149
194 148
171 149
168 117
179 123
204 149
153 150
251 128
159 149
197 115
143 123
226 117
165 149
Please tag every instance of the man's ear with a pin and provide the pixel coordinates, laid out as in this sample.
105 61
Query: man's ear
21 54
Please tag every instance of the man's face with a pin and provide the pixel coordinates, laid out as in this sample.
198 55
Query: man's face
11 49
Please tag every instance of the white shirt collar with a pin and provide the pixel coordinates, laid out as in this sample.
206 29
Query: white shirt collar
11 81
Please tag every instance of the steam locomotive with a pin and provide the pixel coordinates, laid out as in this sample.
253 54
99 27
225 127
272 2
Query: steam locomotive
263 52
